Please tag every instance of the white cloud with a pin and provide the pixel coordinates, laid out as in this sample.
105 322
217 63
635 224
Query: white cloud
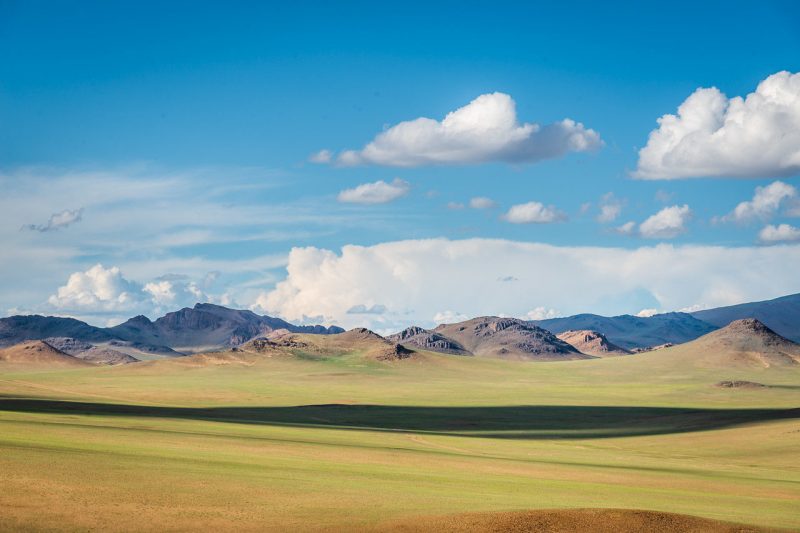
610 208
781 233
101 292
97 289
416 279
484 130
378 192
482 202
540 313
169 295
712 135
765 203
57 221
628 228
645 313
449 317
321 157
667 223
455 205
533 213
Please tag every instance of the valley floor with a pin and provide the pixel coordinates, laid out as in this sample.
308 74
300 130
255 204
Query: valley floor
285 444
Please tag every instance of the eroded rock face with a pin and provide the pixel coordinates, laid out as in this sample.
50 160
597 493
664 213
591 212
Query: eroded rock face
508 338
428 340
592 343
394 353
89 352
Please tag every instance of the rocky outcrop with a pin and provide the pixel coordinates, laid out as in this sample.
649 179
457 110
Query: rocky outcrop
592 343
509 338
427 340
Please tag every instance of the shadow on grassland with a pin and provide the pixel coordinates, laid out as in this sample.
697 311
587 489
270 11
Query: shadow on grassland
511 422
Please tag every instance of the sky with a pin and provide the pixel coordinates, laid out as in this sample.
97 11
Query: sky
383 165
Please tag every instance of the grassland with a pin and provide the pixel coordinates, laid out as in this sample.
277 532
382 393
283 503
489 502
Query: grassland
257 443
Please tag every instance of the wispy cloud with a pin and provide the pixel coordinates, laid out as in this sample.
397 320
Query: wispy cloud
57 221
765 203
378 192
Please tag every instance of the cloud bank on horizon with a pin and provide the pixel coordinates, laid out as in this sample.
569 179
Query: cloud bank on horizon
416 281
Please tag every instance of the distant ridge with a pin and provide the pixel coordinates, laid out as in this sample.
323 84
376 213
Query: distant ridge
632 332
206 327
782 315
201 328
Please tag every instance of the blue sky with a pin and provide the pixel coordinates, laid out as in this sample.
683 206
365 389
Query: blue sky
177 137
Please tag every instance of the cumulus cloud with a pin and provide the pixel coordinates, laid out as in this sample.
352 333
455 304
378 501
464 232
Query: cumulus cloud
533 213
610 208
455 205
57 221
378 192
765 203
321 157
98 289
171 294
449 317
486 129
418 280
713 135
667 223
541 313
106 291
482 202
781 233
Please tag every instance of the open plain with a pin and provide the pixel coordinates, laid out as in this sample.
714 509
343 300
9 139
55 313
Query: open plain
298 441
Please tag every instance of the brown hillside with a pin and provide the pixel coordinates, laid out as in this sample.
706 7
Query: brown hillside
38 353
570 521
742 343
592 343
359 342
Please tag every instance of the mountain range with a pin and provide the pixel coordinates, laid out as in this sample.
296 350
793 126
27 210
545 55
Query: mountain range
207 327
630 332
201 328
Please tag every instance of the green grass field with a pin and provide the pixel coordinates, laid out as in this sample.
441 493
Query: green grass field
311 444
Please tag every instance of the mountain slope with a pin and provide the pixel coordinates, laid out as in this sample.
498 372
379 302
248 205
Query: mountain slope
90 352
206 327
358 342
16 329
742 343
630 331
38 353
782 315
509 338
432 341
592 343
